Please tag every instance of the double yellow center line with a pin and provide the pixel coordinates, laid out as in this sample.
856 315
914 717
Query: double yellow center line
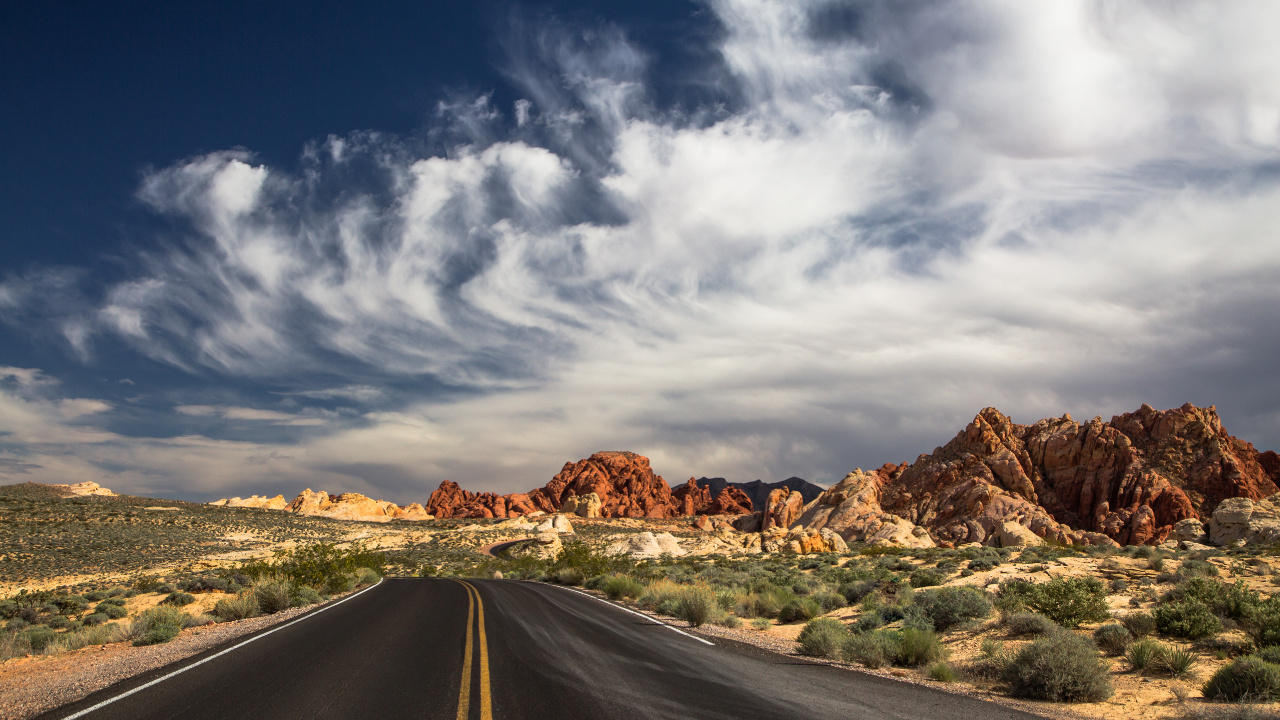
474 607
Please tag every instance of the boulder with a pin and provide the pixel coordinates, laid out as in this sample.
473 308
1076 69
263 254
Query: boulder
1011 534
782 509
1230 521
587 506
1188 530
556 524
647 545
731 501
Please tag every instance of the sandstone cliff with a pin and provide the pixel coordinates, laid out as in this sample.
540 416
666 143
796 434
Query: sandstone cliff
346 506
1127 481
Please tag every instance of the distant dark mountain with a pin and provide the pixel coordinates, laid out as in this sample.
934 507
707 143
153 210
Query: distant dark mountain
758 490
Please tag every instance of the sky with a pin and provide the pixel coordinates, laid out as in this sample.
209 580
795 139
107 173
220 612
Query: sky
250 248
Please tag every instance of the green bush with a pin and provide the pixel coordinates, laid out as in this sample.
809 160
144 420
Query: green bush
1146 654
731 621
942 672
1139 624
1112 638
39 638
761 623
244 605
1062 667
70 604
927 577
822 637
160 624
1188 618
112 611
854 591
569 576
696 605
1246 679
1179 661
179 599
1028 623
58 622
1066 601
622 586
301 595
1264 628
873 649
273 596
919 647
95 619
805 608
324 566
829 601
367 576
950 606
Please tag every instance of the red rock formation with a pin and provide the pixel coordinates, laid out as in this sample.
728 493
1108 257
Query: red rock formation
691 499
782 509
624 482
451 501
1130 479
731 501
1270 462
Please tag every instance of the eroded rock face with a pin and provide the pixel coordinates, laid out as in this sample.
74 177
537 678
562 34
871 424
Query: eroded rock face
257 501
647 545
781 509
624 482
85 488
587 506
691 498
1129 481
731 501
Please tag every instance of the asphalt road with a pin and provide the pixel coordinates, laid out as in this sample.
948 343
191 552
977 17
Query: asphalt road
449 650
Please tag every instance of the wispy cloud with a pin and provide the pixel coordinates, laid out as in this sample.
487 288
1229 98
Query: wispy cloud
900 213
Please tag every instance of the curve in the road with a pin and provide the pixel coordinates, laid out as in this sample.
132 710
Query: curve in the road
458 650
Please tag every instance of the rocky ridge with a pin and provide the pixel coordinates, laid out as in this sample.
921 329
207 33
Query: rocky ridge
344 506
1129 481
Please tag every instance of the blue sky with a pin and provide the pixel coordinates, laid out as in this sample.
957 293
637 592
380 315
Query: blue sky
259 248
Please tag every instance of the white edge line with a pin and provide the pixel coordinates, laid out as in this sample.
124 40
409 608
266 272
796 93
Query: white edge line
198 663
625 609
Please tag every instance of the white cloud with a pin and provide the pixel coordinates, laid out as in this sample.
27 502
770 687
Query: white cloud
936 208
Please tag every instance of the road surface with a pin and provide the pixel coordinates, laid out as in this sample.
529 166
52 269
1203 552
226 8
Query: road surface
498 649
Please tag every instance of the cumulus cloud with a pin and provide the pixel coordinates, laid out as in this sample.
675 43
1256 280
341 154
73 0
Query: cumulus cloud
901 213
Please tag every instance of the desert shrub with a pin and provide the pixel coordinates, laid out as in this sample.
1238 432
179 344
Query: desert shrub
1112 638
160 624
927 577
202 619
9 609
163 588
243 605
1118 585
805 608
1264 628
1270 654
367 576
822 637
206 584
178 598
869 621
301 595
113 601
1139 624
1062 667
95 619
1249 679
696 604
1197 568
1066 601
116 591
919 647
1189 619
39 638
58 622
731 621
95 596
569 576
1028 623
70 604
273 596
873 649
828 601
323 566
1146 654
951 606
854 591
942 672
1179 661
113 612
981 564
622 586
761 624
660 592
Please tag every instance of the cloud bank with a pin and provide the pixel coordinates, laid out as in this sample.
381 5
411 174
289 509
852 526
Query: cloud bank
895 215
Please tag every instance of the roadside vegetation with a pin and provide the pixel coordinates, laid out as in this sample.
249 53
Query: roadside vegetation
153 610
1053 638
